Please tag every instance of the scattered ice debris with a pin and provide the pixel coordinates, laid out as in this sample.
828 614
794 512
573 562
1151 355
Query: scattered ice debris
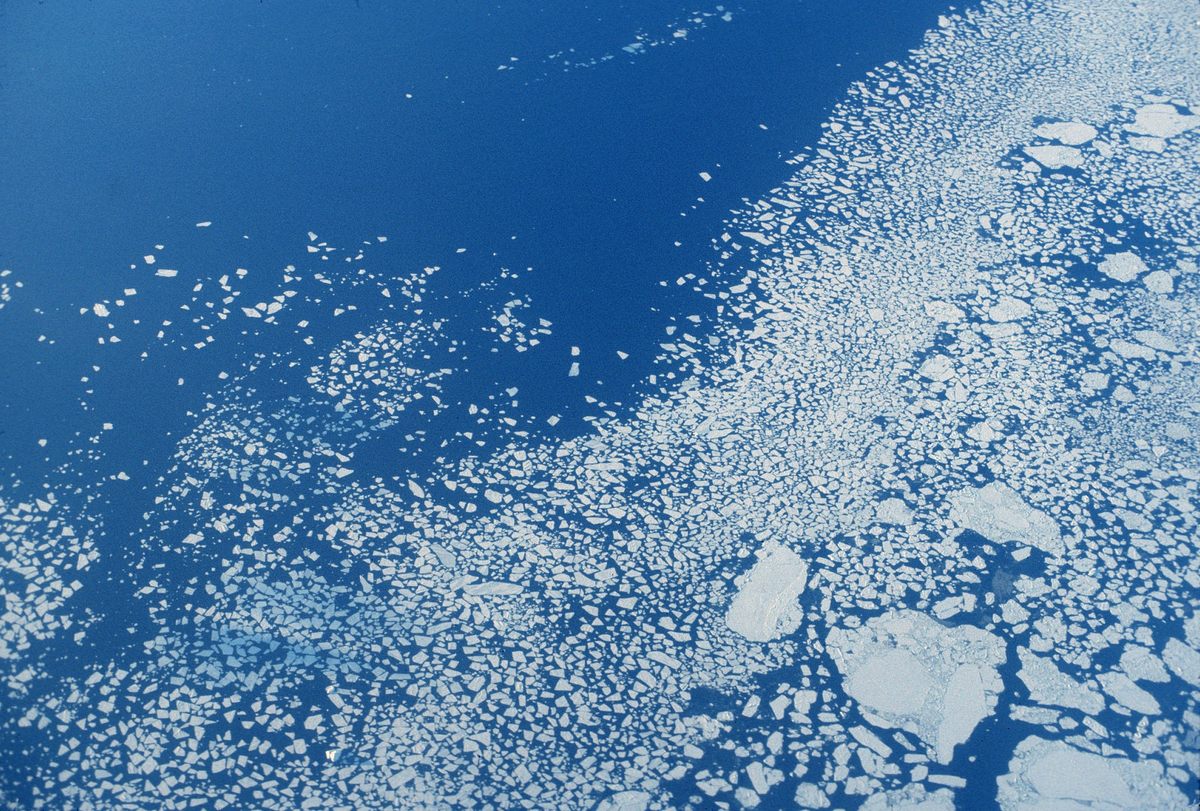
527 623
764 607
671 33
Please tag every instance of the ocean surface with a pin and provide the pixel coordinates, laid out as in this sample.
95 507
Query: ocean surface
599 405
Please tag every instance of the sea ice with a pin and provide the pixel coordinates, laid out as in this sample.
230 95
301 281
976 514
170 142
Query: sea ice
764 607
997 512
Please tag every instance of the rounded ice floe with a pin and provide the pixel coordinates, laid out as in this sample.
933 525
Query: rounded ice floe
1123 267
1159 281
907 670
764 607
893 511
1162 121
998 512
937 368
1055 774
1071 133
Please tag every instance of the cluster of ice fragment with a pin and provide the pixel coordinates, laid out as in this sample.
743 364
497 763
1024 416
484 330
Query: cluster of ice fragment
952 404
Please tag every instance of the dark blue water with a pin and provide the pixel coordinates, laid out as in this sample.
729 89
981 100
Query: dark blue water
124 124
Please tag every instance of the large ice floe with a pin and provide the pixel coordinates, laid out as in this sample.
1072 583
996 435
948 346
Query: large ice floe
915 529
906 669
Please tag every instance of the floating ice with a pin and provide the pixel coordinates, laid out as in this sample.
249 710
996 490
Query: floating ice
1123 267
764 607
1071 133
910 671
998 512
1054 774
1162 121
1056 157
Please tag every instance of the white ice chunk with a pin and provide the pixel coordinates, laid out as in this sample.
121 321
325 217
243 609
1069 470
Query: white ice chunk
497 588
764 607
1055 775
944 311
1159 281
913 797
893 511
625 801
1050 686
998 512
1183 661
1128 694
937 368
1162 121
911 671
1123 267
1071 133
1009 309
1056 157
